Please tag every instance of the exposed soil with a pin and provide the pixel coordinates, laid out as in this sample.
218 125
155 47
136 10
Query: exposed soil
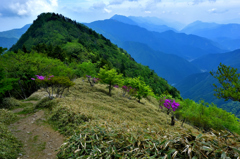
39 140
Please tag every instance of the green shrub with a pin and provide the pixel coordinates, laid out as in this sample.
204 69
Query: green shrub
207 116
9 103
46 102
10 146
6 116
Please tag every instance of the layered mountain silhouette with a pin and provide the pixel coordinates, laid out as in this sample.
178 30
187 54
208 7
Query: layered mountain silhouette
186 46
211 61
171 67
228 35
147 23
10 37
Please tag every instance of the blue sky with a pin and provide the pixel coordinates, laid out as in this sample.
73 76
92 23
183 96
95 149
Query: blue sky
17 13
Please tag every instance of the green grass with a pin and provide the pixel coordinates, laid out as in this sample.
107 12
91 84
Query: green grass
10 146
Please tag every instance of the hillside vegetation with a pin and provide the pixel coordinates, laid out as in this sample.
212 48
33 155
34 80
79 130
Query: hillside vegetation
59 37
106 104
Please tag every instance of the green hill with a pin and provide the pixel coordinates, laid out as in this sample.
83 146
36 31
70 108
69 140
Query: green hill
60 37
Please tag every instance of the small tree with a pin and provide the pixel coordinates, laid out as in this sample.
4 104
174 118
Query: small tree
58 84
142 90
230 83
86 68
110 77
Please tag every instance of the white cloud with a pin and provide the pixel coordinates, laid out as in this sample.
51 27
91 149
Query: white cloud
98 5
107 10
214 10
27 7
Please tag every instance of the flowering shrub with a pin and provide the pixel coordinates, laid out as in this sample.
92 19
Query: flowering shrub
58 84
170 104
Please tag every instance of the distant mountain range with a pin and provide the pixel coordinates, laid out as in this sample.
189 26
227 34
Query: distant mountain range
186 46
146 23
158 22
227 35
10 37
171 67
211 61
15 33
7 42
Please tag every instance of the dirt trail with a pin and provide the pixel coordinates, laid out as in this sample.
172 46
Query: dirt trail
39 140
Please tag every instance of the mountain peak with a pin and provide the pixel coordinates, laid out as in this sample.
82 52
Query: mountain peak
123 19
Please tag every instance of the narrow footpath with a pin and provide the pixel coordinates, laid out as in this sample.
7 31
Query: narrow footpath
39 140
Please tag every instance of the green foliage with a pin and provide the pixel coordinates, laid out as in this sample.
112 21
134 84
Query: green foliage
2 50
6 84
10 146
86 68
22 67
6 116
207 116
143 90
79 44
9 103
110 77
46 103
230 83
54 84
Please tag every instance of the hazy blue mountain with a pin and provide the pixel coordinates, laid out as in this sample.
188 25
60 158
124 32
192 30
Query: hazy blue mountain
227 35
228 43
198 25
123 19
186 46
147 24
211 61
15 33
7 42
231 31
156 21
10 37
200 86
171 67
144 24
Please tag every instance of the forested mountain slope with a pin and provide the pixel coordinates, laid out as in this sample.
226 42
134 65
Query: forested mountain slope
60 37
171 67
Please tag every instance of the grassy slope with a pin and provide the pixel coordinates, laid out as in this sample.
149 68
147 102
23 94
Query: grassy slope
123 122
96 105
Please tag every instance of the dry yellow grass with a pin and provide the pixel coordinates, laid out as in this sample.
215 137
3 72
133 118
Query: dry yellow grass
96 104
